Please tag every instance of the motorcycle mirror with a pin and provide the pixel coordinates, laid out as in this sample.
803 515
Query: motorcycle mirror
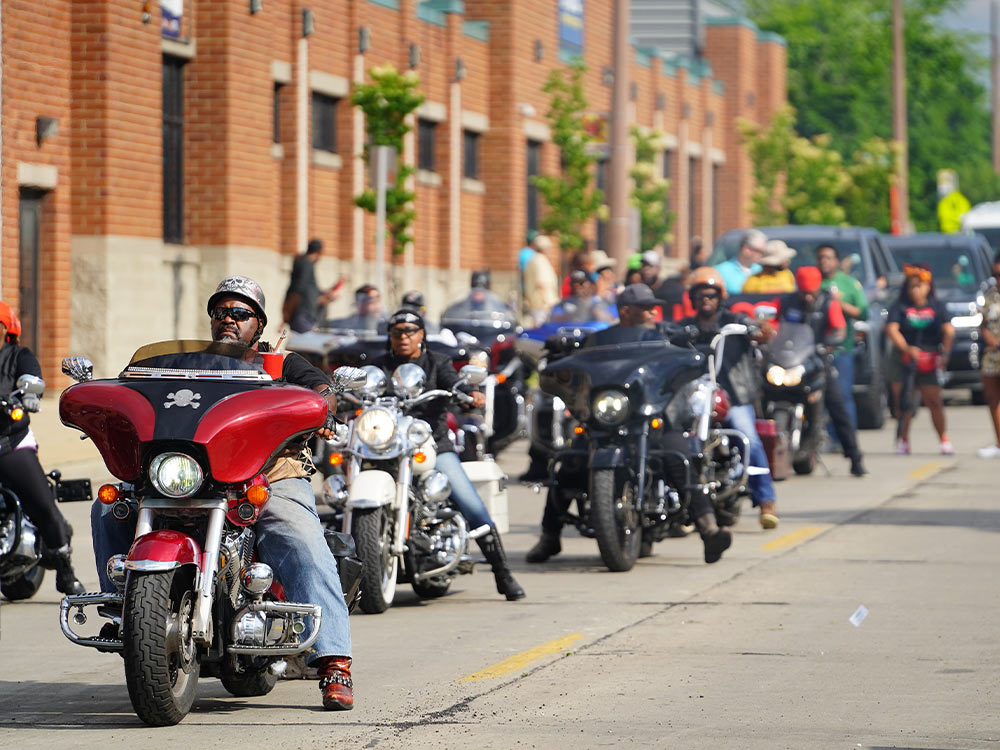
734 329
466 339
376 381
472 374
31 384
408 380
765 312
78 368
348 379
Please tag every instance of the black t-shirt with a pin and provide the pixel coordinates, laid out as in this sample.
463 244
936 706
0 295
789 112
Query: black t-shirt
920 326
297 371
15 361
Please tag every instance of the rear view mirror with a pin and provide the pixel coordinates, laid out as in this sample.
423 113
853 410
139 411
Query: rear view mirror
472 374
78 368
31 384
765 312
348 379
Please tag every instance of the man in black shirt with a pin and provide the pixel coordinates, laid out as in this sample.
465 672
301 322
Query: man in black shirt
304 301
406 345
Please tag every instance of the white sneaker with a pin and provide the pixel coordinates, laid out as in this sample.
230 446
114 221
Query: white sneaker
990 451
903 448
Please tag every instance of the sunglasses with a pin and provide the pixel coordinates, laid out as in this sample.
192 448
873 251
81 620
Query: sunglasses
398 333
916 272
706 295
238 314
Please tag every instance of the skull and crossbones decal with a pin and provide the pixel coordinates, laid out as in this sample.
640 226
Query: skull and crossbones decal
183 397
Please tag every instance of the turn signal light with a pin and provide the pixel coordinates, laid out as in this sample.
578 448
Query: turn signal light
357 412
578 430
257 494
17 414
419 457
107 494
656 423
336 459
501 379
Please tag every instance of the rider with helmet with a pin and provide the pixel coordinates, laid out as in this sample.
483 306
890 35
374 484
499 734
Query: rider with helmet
739 375
289 534
20 470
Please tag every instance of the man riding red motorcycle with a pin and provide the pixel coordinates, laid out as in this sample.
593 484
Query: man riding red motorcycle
289 534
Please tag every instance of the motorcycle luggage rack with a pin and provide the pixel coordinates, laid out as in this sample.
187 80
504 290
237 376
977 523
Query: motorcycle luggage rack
171 374
79 601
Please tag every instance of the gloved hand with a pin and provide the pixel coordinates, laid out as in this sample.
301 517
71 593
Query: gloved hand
31 402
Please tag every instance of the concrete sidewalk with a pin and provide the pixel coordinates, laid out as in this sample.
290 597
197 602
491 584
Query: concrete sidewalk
59 446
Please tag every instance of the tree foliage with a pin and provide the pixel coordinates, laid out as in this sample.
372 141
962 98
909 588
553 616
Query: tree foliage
571 198
839 81
650 191
387 102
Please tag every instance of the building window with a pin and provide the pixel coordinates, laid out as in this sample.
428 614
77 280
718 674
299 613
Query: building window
667 168
324 122
602 185
534 160
276 114
692 198
173 149
470 147
426 130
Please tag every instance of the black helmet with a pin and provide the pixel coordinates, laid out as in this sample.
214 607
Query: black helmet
406 315
246 289
413 299
480 279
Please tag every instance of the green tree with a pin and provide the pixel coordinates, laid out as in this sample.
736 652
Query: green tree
839 81
650 191
571 197
769 149
387 101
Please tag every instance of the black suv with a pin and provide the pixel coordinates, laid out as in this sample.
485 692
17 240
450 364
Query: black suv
864 256
961 265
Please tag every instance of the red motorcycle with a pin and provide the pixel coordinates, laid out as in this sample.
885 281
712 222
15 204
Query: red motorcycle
188 427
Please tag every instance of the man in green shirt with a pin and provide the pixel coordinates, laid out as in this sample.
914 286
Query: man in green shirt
846 290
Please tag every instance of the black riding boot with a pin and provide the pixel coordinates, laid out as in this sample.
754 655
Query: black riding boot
548 545
66 580
493 551
716 540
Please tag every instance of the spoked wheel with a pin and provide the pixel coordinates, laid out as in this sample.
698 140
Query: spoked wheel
617 522
161 659
373 537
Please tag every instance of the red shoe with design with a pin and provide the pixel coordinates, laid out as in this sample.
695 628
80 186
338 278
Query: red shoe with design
335 683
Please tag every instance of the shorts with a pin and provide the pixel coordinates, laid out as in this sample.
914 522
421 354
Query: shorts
897 371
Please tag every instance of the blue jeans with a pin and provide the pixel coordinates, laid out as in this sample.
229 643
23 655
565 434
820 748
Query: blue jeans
463 491
289 539
844 364
741 417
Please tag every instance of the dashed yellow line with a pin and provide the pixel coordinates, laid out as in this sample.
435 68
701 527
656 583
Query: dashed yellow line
926 471
794 537
523 659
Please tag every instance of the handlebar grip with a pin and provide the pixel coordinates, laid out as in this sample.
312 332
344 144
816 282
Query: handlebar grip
463 398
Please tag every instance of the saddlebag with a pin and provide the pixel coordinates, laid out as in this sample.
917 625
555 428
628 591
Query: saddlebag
776 447
491 484
348 564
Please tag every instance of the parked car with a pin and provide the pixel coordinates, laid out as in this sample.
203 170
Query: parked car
984 219
865 257
961 265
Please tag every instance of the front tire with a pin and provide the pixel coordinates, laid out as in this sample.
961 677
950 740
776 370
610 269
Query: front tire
161 658
617 523
248 684
373 536
433 588
23 586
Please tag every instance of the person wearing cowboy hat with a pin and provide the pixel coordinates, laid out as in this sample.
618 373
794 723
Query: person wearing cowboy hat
774 276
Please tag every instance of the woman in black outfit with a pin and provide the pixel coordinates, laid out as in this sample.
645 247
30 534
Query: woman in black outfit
19 468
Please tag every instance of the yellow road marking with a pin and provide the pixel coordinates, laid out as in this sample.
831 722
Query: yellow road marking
523 659
795 537
925 471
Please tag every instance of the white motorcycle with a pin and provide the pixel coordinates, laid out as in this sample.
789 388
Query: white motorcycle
393 501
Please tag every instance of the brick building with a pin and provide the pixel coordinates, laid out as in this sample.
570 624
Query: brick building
147 155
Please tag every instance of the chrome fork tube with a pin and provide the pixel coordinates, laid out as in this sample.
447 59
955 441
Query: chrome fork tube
402 502
202 620
144 522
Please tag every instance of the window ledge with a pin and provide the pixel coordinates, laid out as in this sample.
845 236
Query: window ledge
326 159
175 48
426 177
473 186
277 151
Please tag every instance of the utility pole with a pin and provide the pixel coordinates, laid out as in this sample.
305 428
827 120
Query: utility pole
899 133
994 61
618 227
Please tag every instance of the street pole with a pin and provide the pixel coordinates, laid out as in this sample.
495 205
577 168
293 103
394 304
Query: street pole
899 133
994 61
618 228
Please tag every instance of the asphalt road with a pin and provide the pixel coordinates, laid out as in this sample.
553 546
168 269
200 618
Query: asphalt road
757 651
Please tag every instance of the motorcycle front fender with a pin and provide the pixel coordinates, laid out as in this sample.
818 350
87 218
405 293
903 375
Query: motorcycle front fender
371 489
607 457
163 549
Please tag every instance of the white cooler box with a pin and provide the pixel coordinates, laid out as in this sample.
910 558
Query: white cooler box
491 483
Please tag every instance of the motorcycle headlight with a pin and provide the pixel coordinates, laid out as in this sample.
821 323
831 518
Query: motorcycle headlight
610 407
418 432
375 428
780 376
175 474
436 486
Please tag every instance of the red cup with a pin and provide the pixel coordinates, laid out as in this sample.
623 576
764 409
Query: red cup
273 364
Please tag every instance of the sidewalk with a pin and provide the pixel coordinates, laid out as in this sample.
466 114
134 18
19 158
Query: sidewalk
59 446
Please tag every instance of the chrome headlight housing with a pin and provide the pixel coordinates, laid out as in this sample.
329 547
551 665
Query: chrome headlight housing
436 486
376 428
780 376
376 383
610 407
419 432
408 380
176 475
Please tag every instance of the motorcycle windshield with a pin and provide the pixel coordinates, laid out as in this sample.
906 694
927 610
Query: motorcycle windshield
482 314
649 372
192 359
793 345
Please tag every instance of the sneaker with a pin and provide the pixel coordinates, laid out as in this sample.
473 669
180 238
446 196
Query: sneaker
990 451
903 448
768 515
335 683
947 449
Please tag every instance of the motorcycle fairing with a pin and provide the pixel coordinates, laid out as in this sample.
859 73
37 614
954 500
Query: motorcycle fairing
793 345
163 549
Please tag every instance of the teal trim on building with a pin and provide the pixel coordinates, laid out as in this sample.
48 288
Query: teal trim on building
394 4
669 68
477 30
772 36
431 15
445 6
644 57
731 21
